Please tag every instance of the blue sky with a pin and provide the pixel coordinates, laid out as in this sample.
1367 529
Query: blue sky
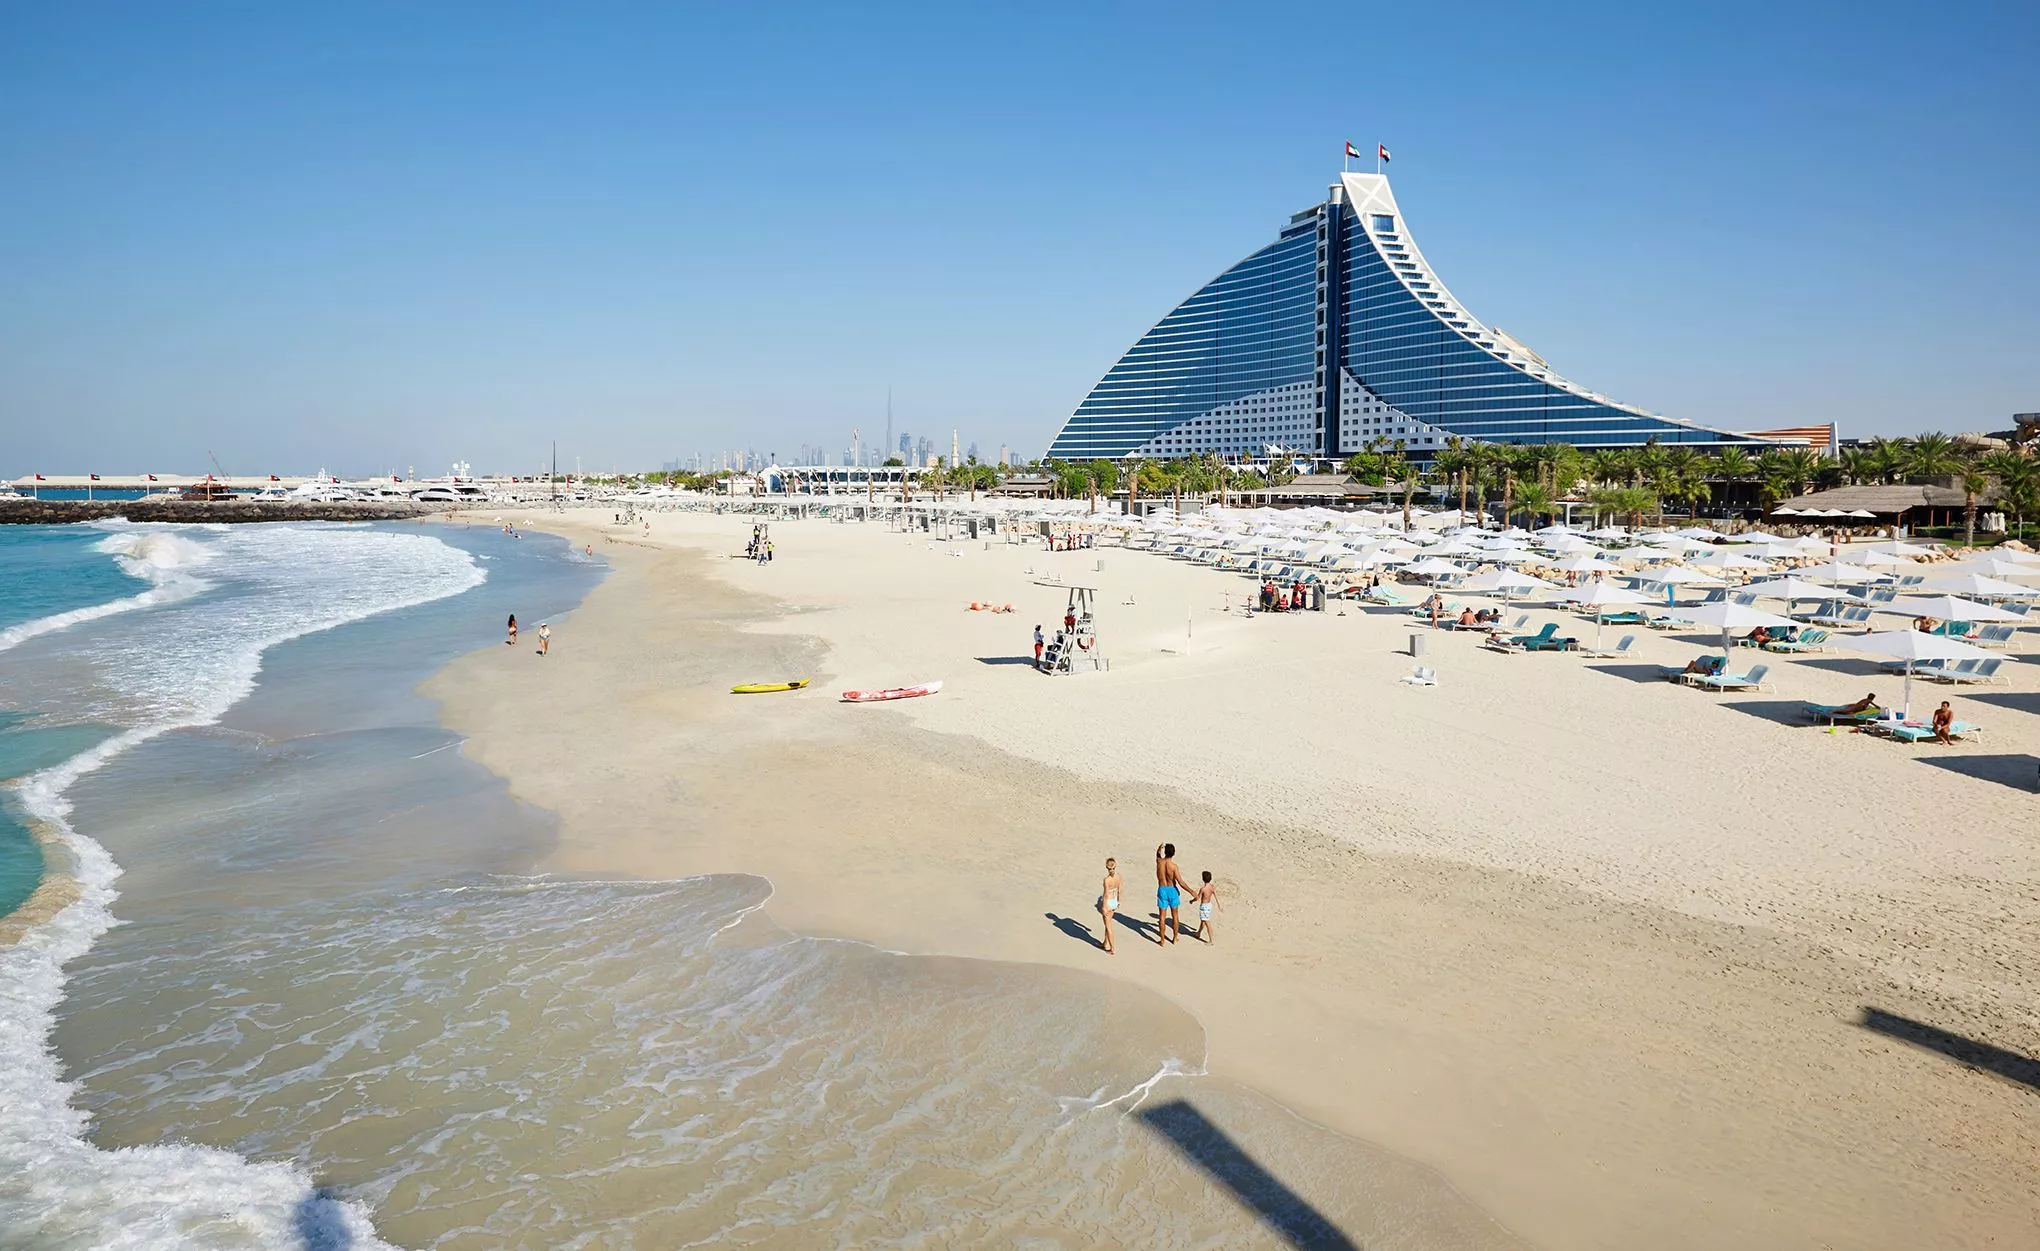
384 235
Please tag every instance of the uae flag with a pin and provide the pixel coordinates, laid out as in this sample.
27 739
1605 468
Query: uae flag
94 477
1382 149
1352 151
152 477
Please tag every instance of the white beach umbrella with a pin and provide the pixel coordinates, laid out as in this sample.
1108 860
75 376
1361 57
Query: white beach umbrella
1993 567
1912 646
1948 608
1588 564
1727 560
1896 548
1840 571
1730 616
1976 586
1882 560
1672 577
1604 595
1433 567
1751 536
1608 533
1792 589
1506 556
1505 582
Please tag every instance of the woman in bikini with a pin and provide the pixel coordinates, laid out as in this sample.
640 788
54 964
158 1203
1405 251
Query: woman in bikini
1108 901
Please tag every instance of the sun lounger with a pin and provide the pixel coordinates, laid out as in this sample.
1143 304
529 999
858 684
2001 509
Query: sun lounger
1832 714
1970 671
1528 640
1828 613
1668 622
1993 636
1916 732
1808 641
1620 649
1385 594
1677 673
1751 681
1954 629
1625 617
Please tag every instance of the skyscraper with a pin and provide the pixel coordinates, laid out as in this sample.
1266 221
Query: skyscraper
1339 333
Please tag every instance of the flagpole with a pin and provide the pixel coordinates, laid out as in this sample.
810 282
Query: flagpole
1377 157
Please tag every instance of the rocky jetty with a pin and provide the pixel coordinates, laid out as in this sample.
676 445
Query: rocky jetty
26 512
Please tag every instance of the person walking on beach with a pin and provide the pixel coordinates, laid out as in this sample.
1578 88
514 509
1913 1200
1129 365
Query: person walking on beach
1037 646
1168 896
1108 901
544 639
1207 899
513 629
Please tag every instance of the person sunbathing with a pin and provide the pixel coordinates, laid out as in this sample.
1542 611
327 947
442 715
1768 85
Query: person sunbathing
1488 616
1760 636
1867 704
1706 666
1944 723
1468 618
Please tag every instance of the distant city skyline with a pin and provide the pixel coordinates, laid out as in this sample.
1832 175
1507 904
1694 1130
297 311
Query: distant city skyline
299 239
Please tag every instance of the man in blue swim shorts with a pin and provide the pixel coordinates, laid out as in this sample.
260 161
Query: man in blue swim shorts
1168 895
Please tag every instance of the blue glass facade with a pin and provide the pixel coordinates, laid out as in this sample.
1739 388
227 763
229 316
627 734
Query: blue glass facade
1234 362
1269 354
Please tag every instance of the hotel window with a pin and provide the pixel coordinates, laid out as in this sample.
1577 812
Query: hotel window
1383 222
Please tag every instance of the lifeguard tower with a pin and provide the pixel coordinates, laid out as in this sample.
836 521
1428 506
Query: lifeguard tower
1074 648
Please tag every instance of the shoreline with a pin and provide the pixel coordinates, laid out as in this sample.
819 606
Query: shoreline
1501 1028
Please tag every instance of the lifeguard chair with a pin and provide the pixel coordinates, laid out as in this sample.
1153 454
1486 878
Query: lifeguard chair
1074 648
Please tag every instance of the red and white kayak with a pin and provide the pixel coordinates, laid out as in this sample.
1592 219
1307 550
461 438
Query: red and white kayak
891 692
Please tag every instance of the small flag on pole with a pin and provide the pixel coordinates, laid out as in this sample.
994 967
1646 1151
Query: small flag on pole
1382 148
1351 151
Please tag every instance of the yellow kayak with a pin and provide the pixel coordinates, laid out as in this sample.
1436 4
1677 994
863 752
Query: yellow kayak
760 688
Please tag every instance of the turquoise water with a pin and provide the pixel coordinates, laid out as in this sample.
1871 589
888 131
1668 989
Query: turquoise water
48 571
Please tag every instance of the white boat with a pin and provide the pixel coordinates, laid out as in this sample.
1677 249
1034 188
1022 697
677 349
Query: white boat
452 493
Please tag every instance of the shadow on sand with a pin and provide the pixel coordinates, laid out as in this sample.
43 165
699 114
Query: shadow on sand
1960 1048
1005 660
1635 673
1208 1147
2021 773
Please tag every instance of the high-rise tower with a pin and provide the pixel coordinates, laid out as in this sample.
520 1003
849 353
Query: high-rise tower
1338 334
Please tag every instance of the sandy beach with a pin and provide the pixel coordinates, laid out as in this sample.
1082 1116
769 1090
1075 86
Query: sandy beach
1626 964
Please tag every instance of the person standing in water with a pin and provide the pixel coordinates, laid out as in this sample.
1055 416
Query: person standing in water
1168 896
544 639
513 629
1108 901
1207 899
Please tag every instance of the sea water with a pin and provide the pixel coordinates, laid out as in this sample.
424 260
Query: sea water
307 992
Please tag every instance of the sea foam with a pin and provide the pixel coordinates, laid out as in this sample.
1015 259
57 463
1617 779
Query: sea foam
56 1188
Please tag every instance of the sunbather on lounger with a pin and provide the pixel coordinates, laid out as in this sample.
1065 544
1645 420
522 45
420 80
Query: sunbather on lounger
1759 636
1866 704
1468 618
1707 666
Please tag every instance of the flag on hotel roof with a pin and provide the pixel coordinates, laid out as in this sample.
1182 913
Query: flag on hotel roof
1383 148
1351 150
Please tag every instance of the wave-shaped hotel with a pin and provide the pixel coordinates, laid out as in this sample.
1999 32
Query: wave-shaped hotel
1338 333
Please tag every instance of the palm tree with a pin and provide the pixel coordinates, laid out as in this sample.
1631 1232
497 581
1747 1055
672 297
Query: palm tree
1607 466
1886 458
1933 455
1535 499
1399 469
2018 484
1453 462
1732 464
1974 483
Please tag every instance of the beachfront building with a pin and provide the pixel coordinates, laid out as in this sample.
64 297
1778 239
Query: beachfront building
1337 334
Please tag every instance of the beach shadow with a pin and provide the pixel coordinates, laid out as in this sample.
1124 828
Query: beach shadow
1076 929
1137 925
2017 701
2021 773
1846 664
1208 1147
1960 1048
1635 673
1783 711
1005 660
317 1222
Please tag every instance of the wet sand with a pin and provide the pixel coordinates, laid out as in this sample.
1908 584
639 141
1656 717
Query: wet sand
1620 1016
